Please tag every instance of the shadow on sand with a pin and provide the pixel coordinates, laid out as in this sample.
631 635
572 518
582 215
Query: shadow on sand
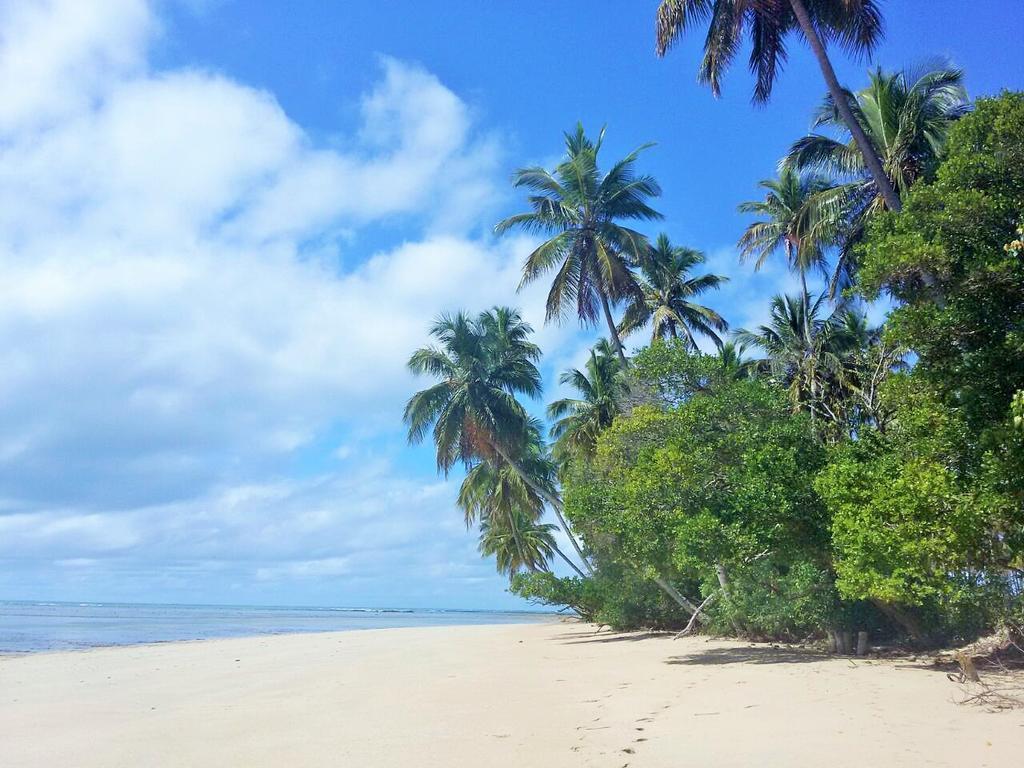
749 655
577 638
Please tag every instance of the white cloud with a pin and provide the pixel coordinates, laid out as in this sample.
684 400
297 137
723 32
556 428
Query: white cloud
57 56
188 304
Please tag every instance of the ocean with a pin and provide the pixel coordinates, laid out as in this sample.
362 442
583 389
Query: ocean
27 627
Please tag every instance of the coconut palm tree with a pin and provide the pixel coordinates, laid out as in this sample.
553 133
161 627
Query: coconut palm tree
733 363
519 542
833 366
805 353
578 421
473 412
907 117
854 24
483 363
580 210
667 293
793 221
500 497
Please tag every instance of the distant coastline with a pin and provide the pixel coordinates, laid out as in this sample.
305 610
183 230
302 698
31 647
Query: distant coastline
32 626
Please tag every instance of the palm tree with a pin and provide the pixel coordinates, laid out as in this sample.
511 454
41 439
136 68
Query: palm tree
806 354
483 364
793 220
519 543
499 497
855 24
578 421
835 370
907 117
732 362
666 296
580 209
869 360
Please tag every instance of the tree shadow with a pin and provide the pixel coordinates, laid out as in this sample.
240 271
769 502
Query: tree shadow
616 637
749 655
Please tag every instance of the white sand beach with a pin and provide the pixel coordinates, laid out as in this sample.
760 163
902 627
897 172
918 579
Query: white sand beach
546 695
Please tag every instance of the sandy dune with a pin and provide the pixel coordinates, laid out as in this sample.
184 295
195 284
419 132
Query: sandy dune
536 695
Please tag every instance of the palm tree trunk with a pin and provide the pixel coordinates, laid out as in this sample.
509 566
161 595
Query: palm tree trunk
552 501
871 159
515 535
612 330
557 508
572 565
807 305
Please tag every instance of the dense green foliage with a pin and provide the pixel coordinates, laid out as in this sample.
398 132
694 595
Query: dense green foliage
850 477
961 290
614 596
718 484
908 532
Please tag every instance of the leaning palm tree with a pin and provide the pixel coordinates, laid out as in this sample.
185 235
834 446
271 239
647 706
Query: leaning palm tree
518 543
473 411
855 24
906 117
500 497
580 210
482 364
578 421
667 296
793 220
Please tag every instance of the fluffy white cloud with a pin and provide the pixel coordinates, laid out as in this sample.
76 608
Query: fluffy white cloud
188 303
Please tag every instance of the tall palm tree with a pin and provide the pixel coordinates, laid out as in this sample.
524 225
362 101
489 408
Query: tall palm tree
578 421
482 364
580 210
855 24
906 116
667 293
519 543
792 220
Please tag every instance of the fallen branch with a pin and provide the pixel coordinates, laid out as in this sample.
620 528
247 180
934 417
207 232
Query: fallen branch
990 653
985 648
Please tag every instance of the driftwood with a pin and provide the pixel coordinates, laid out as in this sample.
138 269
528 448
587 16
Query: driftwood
1003 687
985 648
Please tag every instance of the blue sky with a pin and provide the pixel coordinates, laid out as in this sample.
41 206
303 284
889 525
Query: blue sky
224 225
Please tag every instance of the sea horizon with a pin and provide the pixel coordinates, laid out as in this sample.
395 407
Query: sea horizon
34 626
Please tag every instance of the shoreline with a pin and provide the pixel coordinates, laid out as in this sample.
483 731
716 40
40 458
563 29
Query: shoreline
31 627
550 693
555 619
